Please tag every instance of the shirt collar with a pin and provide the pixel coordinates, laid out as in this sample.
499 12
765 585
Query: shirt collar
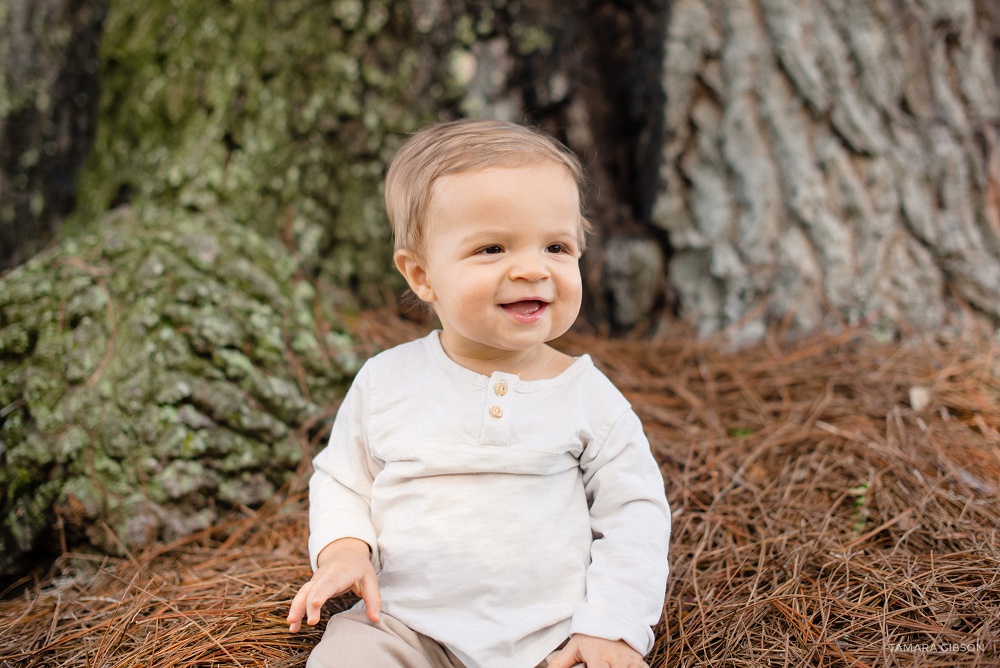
433 341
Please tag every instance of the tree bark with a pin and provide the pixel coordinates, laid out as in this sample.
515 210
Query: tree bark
282 114
48 97
155 372
811 162
831 161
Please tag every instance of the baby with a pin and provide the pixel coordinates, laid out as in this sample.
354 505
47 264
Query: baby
492 500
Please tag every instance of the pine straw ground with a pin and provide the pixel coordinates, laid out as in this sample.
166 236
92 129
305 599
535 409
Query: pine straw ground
823 516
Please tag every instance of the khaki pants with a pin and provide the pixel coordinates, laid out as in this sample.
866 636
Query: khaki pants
351 640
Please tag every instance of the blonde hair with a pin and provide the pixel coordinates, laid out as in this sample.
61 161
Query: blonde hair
457 147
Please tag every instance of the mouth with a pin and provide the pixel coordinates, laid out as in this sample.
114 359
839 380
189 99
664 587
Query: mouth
526 310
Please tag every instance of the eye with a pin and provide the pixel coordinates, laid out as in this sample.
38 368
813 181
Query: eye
491 250
557 248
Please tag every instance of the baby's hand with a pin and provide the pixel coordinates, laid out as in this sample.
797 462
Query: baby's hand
597 653
342 565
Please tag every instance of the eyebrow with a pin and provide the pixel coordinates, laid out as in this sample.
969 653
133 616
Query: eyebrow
500 234
483 235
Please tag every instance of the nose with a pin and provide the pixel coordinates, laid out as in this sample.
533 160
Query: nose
528 267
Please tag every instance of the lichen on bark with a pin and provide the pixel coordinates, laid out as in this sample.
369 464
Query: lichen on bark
283 113
155 371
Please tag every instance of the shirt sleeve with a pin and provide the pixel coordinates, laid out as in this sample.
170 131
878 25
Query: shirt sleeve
630 520
341 483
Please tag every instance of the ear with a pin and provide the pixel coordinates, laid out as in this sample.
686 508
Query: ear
412 267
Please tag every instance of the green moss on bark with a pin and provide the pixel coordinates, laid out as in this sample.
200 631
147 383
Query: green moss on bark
283 114
154 371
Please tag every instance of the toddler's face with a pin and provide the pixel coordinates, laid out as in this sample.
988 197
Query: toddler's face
501 257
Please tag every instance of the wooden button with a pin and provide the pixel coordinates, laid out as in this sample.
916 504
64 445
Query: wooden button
496 412
500 388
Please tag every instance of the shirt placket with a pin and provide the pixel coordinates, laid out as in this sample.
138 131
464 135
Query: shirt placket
498 408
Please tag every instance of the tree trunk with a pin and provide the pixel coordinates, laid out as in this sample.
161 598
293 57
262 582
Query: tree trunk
282 114
48 96
811 162
154 373
830 161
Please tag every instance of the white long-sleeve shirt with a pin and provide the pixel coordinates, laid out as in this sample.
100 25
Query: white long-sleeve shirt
503 515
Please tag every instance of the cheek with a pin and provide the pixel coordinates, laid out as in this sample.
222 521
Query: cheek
470 289
572 282
578 293
577 300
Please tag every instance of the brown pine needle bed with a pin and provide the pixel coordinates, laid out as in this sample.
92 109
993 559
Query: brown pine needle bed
835 504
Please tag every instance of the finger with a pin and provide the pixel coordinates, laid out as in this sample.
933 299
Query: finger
567 657
371 595
319 594
297 609
558 661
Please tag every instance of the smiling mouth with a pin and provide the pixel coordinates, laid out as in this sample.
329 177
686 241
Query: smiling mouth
525 307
